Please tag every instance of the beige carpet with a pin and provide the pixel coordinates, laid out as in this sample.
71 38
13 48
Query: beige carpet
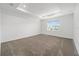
39 45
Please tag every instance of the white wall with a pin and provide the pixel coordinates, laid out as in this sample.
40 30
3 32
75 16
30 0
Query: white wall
0 31
76 27
65 29
15 26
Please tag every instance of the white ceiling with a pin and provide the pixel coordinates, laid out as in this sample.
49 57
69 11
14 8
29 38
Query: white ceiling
43 10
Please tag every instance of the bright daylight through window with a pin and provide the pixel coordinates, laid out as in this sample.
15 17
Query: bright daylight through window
53 25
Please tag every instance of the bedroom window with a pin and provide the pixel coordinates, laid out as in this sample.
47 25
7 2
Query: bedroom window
53 25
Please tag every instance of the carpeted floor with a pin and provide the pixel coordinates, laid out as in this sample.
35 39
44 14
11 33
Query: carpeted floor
39 45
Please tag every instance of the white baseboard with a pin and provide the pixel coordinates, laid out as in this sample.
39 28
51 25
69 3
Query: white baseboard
19 38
